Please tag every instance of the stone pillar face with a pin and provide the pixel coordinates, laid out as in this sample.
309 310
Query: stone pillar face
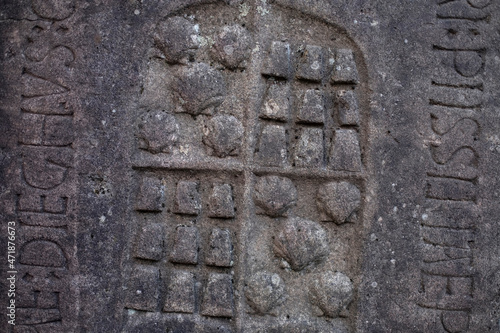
250 166
264 184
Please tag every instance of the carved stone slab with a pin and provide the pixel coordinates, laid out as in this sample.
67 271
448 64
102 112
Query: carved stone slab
250 166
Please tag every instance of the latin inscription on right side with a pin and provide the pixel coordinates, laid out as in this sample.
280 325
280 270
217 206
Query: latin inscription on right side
455 104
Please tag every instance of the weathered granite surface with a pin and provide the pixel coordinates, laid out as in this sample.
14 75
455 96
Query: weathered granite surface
250 166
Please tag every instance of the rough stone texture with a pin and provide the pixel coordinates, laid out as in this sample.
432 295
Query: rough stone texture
422 146
222 201
186 244
275 195
188 200
198 88
311 63
142 289
223 134
309 150
278 60
347 107
151 195
345 70
338 202
265 291
273 145
301 243
277 102
345 153
149 242
313 107
180 293
218 299
332 292
232 46
158 132
177 38
220 251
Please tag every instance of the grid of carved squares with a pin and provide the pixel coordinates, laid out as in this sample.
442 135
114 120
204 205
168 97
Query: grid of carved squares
217 299
308 117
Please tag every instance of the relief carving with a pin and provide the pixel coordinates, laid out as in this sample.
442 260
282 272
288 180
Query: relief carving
258 145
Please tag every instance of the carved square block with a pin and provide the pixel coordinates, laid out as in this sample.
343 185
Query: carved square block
218 300
277 102
186 244
143 288
273 146
220 249
345 70
311 64
348 111
151 195
312 109
345 152
309 148
180 292
221 201
149 242
188 199
277 62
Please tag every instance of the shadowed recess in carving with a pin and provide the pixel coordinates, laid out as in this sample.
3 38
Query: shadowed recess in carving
460 10
479 3
39 50
35 316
